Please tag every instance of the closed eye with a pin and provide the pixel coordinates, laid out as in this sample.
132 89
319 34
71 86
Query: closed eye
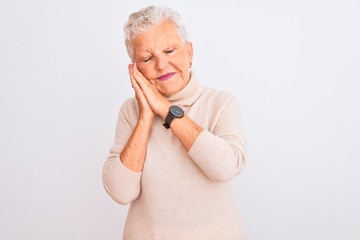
147 59
169 51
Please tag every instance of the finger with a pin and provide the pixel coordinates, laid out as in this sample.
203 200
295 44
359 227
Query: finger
148 88
138 92
141 79
130 71
132 78
136 87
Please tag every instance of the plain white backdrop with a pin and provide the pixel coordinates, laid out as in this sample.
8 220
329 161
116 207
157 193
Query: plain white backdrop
293 65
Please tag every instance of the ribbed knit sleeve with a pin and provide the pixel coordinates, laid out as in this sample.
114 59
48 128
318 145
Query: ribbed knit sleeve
122 184
220 153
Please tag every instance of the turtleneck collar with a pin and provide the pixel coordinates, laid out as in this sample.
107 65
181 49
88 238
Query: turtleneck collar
189 94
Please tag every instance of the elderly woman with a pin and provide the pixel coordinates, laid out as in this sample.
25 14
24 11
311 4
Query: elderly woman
178 143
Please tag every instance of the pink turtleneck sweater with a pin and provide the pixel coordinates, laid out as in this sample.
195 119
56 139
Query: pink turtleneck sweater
179 194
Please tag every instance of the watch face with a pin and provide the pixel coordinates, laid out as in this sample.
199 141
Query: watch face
176 111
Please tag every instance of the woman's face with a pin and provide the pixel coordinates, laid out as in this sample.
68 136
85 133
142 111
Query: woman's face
163 58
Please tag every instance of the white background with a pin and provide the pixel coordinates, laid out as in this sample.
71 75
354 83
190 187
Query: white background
293 65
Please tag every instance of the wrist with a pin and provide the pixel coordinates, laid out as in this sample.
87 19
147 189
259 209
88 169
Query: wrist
165 111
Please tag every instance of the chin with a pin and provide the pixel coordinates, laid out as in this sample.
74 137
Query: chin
168 92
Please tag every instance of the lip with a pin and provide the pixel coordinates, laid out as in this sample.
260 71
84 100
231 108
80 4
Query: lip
166 76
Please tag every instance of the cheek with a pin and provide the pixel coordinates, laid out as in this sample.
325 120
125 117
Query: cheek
146 71
184 62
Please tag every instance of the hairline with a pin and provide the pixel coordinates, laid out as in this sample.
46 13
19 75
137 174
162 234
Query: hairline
141 21
145 30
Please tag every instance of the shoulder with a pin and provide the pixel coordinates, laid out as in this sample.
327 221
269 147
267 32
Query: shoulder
219 98
129 110
214 107
129 104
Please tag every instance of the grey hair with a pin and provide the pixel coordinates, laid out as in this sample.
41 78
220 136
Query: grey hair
142 20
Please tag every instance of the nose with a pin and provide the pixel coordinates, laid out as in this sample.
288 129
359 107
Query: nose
161 62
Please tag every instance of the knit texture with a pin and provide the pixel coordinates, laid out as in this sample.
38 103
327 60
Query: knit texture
182 195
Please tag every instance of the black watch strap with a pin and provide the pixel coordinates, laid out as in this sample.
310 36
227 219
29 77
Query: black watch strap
169 118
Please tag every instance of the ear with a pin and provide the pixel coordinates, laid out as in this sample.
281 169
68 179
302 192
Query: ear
190 50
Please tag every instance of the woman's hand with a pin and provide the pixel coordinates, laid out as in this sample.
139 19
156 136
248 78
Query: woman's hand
145 111
157 102
184 129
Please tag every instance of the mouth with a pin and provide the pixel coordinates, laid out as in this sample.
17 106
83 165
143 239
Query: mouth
166 76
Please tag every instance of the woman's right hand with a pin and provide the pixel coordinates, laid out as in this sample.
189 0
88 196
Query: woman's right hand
145 111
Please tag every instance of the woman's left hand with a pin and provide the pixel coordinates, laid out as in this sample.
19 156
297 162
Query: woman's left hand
158 103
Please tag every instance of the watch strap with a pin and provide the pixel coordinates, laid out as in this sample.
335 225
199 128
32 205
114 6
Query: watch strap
169 118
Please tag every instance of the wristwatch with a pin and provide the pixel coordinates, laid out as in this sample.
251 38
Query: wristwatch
174 112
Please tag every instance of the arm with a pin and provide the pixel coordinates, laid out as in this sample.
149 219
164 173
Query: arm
122 170
120 182
221 153
134 152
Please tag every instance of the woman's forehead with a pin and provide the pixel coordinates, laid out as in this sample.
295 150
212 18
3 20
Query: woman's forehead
159 35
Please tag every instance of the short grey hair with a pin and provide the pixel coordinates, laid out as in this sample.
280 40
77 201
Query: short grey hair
142 20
